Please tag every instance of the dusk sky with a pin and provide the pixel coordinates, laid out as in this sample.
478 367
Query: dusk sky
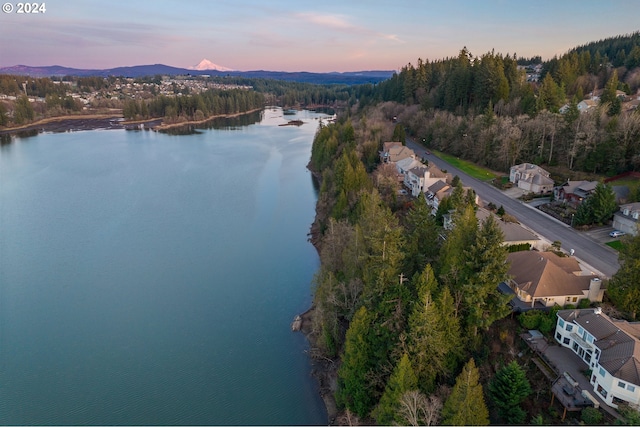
321 36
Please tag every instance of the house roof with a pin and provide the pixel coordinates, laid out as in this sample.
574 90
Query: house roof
419 170
436 172
439 185
545 274
530 168
512 231
631 206
387 145
408 163
617 340
540 179
398 153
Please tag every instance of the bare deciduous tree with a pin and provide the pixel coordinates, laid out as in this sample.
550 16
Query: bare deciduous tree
417 409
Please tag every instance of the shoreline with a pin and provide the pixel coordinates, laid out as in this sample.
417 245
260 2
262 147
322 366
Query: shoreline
165 126
324 369
107 121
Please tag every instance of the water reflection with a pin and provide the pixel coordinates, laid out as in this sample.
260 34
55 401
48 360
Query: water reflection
219 123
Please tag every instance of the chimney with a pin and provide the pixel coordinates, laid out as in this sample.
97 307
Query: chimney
595 295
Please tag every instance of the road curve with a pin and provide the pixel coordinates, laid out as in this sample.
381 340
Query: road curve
601 258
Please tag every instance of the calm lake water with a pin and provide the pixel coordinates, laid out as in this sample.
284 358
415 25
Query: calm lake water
147 278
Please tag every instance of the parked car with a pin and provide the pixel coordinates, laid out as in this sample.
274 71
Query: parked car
617 233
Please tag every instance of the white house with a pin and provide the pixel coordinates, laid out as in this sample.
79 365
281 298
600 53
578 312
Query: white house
531 178
609 347
415 179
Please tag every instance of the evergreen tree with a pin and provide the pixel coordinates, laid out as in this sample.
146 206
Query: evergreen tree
466 405
624 286
426 343
402 379
421 236
4 120
23 111
379 232
486 267
508 389
597 208
354 389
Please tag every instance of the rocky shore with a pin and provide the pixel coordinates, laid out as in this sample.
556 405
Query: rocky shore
324 369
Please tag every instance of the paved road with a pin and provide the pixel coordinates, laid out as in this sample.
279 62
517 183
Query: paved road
601 258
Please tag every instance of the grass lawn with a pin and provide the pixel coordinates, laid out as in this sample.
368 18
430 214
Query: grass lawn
616 244
469 168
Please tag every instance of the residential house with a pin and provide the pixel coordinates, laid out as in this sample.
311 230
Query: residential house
403 167
415 179
548 279
531 178
514 233
609 347
393 152
626 219
436 192
587 104
574 191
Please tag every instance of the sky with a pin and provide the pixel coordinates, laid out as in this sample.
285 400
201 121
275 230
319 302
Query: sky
317 36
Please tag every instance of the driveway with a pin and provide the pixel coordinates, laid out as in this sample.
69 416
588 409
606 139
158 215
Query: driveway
601 234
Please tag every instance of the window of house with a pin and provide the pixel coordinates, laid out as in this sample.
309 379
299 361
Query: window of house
602 372
566 341
574 299
621 384
597 354
631 388
587 357
602 391
590 339
569 327
561 322
580 330
575 346
558 336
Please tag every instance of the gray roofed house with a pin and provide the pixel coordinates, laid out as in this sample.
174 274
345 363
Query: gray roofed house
514 233
611 349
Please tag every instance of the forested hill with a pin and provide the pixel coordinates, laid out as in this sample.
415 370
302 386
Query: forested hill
495 112
620 50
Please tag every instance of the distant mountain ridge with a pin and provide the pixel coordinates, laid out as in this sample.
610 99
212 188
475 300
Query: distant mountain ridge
349 78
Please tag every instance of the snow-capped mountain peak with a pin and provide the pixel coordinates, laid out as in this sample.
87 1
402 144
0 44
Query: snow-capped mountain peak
205 64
